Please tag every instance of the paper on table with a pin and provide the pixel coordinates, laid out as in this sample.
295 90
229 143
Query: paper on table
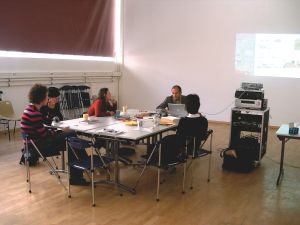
111 131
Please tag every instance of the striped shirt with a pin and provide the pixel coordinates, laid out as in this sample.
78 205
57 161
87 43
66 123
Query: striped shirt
32 123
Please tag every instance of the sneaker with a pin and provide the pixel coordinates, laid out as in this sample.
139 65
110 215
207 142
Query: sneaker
80 182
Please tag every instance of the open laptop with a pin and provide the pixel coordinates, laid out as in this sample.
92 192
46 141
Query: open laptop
177 110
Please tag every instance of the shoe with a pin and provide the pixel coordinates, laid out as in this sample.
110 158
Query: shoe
79 182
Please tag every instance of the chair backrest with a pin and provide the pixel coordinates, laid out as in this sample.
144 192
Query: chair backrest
6 109
194 143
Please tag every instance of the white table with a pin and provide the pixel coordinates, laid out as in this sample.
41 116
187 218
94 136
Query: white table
283 135
116 131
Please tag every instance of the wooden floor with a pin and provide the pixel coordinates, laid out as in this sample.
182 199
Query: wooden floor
228 199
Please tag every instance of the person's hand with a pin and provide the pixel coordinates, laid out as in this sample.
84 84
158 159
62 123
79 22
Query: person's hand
112 113
66 129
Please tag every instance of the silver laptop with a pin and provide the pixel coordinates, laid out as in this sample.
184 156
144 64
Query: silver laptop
177 110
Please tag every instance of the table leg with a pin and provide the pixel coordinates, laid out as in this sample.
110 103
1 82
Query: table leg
280 175
115 146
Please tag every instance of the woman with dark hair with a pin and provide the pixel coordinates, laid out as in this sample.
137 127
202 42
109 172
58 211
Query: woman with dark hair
103 105
194 124
49 142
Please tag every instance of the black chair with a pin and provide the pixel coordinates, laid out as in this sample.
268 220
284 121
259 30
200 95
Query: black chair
196 150
30 144
167 153
88 164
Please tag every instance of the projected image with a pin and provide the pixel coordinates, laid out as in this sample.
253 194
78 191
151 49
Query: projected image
268 54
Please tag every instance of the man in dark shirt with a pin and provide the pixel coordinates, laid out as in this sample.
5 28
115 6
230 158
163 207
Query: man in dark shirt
175 98
52 108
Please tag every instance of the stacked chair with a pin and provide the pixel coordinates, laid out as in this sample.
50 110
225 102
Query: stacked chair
75 100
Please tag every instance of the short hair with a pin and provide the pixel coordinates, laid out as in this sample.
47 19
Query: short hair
177 87
102 93
53 92
192 103
37 93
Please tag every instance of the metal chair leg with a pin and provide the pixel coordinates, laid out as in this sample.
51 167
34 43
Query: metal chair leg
8 130
27 168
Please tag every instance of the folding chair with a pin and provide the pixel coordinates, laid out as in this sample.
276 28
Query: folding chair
198 152
29 143
168 152
87 164
7 114
84 97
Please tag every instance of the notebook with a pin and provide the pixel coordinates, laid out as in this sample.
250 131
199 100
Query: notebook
177 110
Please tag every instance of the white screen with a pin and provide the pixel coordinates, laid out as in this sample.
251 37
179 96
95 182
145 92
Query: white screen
275 55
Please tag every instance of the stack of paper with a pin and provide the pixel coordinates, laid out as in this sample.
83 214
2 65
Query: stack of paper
169 120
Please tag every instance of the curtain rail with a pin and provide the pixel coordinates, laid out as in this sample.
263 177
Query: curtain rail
51 78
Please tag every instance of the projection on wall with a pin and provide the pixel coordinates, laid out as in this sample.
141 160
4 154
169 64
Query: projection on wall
276 55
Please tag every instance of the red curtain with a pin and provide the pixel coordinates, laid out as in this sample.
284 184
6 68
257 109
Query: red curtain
75 27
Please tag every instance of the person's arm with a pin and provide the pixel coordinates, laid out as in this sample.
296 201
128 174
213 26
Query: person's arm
97 107
58 112
112 106
33 124
204 127
98 111
164 104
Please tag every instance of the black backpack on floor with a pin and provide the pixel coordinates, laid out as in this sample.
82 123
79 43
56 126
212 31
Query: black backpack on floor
241 160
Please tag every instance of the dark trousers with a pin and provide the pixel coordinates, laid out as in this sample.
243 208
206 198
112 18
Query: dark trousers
52 146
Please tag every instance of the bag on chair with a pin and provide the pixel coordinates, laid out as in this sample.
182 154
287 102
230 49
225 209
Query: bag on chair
33 157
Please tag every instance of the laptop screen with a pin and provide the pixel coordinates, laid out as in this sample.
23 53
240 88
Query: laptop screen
177 110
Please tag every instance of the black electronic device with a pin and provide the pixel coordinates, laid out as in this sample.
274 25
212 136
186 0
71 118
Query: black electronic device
249 94
251 103
251 86
249 129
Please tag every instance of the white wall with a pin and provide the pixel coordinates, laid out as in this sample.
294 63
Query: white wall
192 43
18 94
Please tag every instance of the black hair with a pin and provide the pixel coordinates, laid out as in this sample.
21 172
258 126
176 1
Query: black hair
37 93
177 87
192 103
102 95
53 92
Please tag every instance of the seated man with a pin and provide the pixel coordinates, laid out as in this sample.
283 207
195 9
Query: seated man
51 109
193 125
48 142
175 98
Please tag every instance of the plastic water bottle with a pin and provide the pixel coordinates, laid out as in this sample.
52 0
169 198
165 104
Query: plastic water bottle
156 120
